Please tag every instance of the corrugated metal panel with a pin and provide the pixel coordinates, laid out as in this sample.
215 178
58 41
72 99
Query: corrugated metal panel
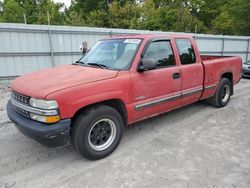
62 60
242 55
24 42
209 44
19 65
248 49
27 48
236 45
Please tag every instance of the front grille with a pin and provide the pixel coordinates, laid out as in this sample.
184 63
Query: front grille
22 111
20 98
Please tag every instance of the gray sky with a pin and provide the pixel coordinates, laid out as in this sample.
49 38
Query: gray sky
66 2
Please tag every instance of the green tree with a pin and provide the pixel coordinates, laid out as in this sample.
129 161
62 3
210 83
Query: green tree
207 16
30 9
240 11
13 12
209 10
224 24
98 18
123 16
117 16
35 12
73 18
233 18
85 7
168 16
56 16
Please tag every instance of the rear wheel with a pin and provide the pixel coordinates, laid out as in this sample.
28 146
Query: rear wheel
223 94
97 132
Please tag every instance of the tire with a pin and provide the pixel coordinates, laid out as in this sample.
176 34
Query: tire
97 132
222 94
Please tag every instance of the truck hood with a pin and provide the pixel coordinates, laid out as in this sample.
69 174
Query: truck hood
42 83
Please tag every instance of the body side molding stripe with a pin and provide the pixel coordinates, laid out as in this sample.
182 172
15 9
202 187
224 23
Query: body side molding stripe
171 98
192 92
167 99
156 102
210 86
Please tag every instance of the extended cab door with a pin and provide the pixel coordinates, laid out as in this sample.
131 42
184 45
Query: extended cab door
191 70
159 90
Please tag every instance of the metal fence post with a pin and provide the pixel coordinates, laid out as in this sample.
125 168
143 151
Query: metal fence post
223 45
51 48
248 42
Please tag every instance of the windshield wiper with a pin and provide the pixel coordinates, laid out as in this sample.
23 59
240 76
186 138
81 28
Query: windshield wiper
102 66
78 62
99 65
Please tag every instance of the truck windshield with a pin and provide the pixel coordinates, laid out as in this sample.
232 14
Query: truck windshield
113 54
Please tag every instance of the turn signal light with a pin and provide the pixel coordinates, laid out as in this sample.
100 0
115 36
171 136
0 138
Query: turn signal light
52 119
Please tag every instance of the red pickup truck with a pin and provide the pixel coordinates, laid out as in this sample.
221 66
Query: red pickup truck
119 81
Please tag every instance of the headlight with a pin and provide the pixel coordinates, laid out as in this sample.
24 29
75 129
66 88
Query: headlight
46 110
43 104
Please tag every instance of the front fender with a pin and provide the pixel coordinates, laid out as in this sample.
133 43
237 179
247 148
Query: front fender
70 100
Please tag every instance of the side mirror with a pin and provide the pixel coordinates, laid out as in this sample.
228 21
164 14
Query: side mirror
147 64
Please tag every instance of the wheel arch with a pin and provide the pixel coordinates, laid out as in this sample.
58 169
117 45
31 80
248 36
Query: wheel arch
229 76
117 104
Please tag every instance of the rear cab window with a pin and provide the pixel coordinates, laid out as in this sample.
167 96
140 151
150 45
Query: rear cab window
186 51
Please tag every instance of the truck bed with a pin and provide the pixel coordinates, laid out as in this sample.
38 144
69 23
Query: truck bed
208 57
213 66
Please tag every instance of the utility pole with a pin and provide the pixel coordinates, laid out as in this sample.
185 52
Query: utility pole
48 17
50 42
1 7
24 18
195 30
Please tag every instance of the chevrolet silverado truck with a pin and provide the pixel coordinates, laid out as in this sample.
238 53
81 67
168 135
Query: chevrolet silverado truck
119 81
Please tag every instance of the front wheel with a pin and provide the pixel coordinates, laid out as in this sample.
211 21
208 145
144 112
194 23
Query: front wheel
97 132
223 94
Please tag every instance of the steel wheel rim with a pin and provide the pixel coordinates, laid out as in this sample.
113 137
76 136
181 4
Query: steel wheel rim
103 130
225 93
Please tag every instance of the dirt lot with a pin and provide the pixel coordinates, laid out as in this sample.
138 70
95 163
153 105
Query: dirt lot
196 146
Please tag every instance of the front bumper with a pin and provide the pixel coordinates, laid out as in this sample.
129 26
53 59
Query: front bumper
49 135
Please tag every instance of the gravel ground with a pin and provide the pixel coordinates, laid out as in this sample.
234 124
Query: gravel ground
195 146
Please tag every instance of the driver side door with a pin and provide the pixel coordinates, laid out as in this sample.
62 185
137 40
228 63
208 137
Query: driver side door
159 90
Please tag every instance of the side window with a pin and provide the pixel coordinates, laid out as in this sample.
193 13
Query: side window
186 51
162 52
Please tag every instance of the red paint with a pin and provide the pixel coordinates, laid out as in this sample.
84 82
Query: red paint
75 87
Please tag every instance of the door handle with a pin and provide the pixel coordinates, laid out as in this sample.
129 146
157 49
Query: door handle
176 75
